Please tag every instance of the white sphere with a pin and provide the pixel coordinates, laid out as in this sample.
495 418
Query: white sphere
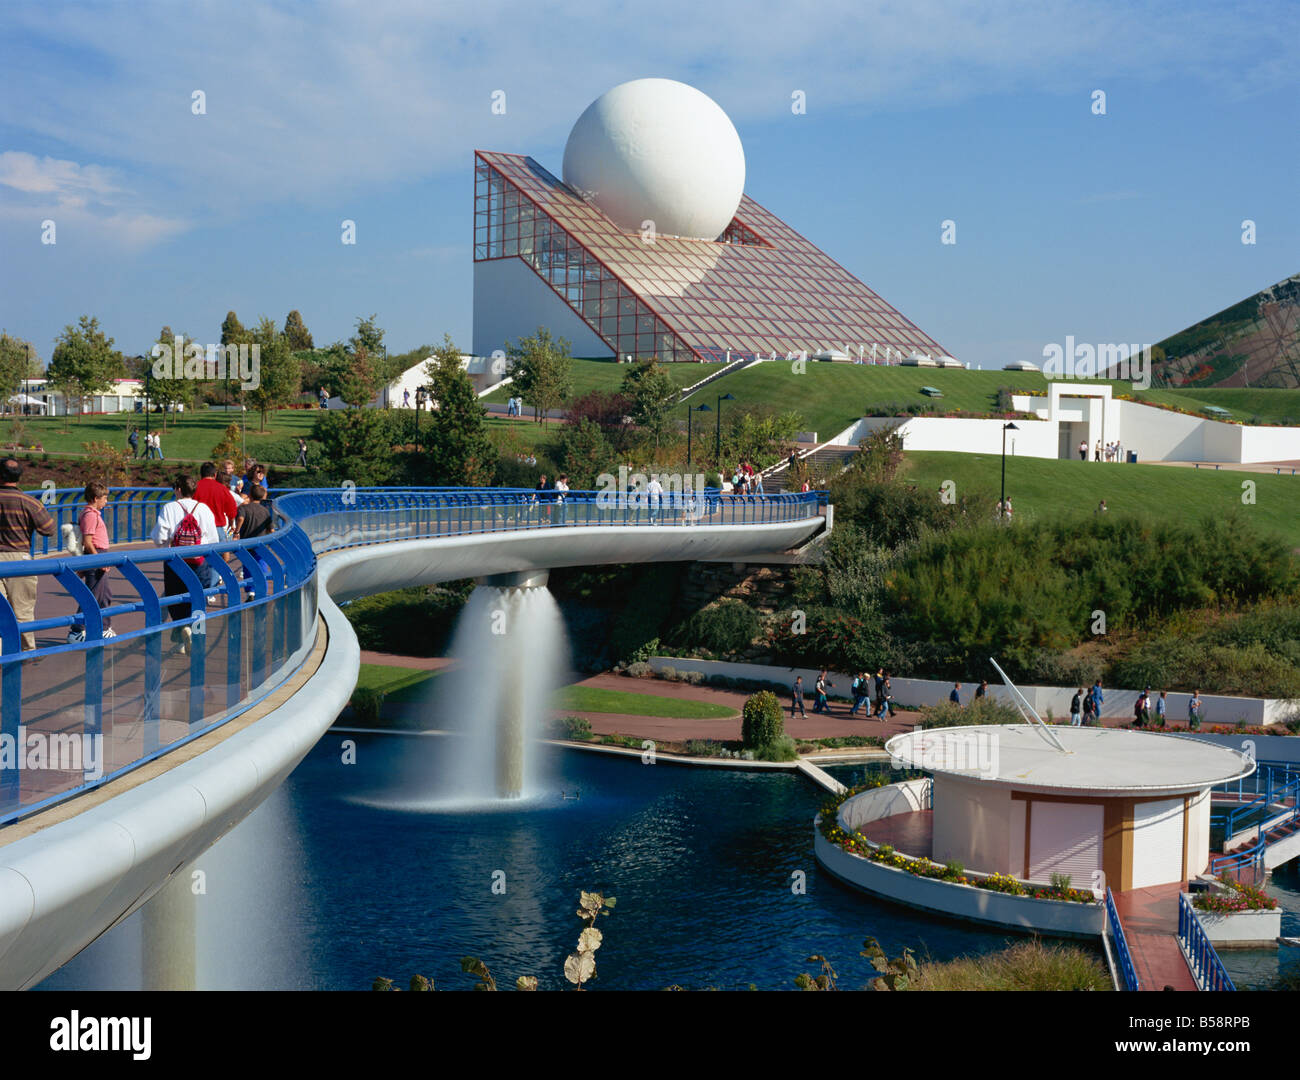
659 151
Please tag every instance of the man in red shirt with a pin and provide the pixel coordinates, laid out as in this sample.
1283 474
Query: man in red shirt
217 497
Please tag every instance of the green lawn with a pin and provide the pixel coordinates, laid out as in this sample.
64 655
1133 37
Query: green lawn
590 699
589 375
1041 487
398 683
190 436
1264 406
401 684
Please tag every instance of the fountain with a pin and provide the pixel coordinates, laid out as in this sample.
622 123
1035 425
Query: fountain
510 648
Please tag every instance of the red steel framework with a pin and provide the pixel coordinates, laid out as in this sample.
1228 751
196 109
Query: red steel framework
760 288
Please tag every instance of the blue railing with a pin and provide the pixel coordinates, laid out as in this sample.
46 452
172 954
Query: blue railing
1123 957
75 715
1206 966
1270 783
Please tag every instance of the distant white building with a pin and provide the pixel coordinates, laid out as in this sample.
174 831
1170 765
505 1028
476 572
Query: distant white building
121 397
484 371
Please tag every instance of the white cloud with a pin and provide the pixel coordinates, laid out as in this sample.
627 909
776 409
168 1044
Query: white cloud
308 104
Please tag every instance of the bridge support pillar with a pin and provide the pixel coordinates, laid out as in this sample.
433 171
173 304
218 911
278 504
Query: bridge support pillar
169 937
516 579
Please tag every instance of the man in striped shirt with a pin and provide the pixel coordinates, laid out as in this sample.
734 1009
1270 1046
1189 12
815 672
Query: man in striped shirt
20 517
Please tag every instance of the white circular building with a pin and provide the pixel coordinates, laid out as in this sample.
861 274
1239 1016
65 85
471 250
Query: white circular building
1107 808
660 154
1133 805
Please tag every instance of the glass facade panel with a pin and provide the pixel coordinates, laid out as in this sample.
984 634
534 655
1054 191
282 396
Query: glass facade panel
760 288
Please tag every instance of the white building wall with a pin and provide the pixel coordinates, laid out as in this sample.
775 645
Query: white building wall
1158 434
511 302
972 824
1269 443
1035 438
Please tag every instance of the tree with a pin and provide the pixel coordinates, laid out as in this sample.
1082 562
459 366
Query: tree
355 445
653 396
359 381
84 362
233 332
369 336
296 334
459 450
585 453
171 387
278 372
611 412
543 371
18 361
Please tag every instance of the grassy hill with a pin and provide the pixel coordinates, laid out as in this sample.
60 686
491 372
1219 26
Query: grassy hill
589 375
1043 488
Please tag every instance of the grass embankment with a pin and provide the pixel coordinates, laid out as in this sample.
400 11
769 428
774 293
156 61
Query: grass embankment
397 684
1027 965
607 375
1041 488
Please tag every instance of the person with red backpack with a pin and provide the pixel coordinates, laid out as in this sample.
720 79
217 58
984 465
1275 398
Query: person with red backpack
183 522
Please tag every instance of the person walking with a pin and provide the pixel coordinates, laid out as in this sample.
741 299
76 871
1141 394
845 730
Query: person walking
955 695
213 494
94 541
21 517
406 398
302 452
324 398
1139 710
880 692
1161 709
1083 449
1089 710
133 441
982 690
1097 452
655 490
1076 705
183 522
820 703
1097 699
796 697
886 699
561 487
858 689
255 519
1194 711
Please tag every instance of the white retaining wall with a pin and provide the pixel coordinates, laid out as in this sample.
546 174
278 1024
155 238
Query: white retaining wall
1215 709
1035 438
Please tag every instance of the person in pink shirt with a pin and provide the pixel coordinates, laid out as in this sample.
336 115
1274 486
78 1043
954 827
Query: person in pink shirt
94 541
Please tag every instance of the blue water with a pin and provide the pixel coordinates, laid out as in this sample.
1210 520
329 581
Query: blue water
1255 969
324 887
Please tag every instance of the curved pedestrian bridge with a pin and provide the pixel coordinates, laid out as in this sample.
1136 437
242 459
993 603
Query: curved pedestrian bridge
123 758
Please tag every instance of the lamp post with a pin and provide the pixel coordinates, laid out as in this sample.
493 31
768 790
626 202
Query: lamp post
717 446
690 409
1002 504
419 406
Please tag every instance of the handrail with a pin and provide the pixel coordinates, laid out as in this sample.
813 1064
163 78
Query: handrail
1207 969
1116 929
119 700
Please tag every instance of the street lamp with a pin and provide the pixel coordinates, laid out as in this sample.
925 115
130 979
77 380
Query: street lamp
419 407
1002 505
717 447
690 409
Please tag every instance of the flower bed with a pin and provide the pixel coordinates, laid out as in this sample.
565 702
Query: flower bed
1242 897
856 844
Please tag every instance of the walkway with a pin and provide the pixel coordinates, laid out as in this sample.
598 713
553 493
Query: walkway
1150 919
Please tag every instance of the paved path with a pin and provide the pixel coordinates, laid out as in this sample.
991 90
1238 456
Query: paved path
1150 920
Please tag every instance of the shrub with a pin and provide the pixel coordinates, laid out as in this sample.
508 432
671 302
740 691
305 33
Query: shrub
726 627
668 674
983 710
762 721
640 670
693 678
705 748
366 703
780 749
576 728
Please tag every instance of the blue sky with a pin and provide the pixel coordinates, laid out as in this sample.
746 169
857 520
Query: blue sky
1116 228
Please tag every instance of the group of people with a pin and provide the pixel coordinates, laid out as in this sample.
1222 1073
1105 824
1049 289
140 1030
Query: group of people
215 508
1085 708
515 406
152 444
746 480
881 705
1112 451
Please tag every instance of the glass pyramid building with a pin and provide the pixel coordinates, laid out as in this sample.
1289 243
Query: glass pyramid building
759 289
